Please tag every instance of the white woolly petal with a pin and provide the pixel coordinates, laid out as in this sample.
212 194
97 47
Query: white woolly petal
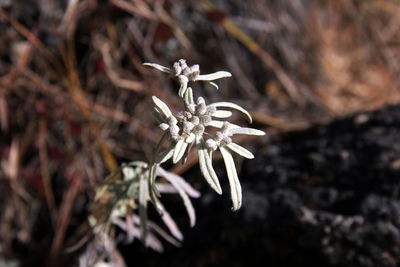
236 189
222 114
159 67
216 124
240 150
179 150
214 76
247 131
190 138
214 84
234 106
162 106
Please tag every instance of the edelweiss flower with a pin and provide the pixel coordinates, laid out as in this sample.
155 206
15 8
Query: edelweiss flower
184 73
190 127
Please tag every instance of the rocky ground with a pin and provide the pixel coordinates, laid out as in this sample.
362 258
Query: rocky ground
327 196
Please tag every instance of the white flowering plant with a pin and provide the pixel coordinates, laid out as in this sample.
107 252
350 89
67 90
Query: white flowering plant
201 126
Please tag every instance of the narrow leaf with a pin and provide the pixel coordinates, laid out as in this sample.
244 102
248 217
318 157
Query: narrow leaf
162 106
240 150
189 96
179 150
182 89
143 194
153 193
153 242
206 166
222 114
189 139
216 124
213 76
236 189
183 195
214 84
185 185
169 222
247 131
234 106
157 115
164 234
164 156
159 67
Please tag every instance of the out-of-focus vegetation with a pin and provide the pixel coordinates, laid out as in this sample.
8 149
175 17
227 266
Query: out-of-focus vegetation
75 98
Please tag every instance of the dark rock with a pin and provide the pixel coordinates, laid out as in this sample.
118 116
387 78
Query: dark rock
328 196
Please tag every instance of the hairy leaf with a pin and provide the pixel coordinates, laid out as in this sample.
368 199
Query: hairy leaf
240 150
214 76
206 166
216 124
143 196
179 150
236 189
185 198
222 114
162 106
234 106
159 67
247 131
189 96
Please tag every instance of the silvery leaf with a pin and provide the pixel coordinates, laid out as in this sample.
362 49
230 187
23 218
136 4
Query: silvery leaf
164 156
159 67
153 193
189 96
190 138
158 159
185 157
165 188
213 76
162 106
157 115
236 189
222 114
247 131
234 106
185 185
240 150
206 166
143 195
183 80
153 242
169 222
179 150
214 84
164 234
216 124
182 193
131 230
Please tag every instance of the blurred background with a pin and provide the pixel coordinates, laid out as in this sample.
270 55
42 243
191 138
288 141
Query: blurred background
75 99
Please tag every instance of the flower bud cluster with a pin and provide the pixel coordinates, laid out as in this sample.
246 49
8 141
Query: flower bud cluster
172 126
192 121
184 72
222 137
